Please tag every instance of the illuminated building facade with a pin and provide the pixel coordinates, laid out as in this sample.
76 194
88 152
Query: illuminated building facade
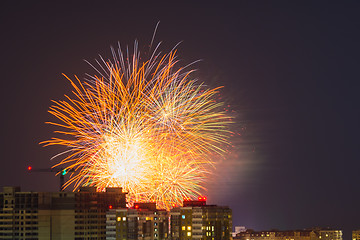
238 229
196 220
277 235
329 234
356 235
56 215
143 222
311 234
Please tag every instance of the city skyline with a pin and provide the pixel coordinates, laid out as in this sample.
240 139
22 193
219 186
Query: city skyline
289 72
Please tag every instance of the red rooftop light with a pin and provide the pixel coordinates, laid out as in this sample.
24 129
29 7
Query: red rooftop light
136 206
203 198
29 168
110 206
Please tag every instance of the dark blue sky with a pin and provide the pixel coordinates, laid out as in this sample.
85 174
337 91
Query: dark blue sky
289 70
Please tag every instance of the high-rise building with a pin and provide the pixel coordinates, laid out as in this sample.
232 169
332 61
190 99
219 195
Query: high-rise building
57 215
143 222
356 235
196 220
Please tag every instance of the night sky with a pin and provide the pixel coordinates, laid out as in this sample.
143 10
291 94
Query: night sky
290 71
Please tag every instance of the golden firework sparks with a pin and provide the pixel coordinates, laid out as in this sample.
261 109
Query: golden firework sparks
144 126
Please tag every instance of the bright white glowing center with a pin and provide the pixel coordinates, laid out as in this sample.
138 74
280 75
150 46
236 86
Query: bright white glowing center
125 158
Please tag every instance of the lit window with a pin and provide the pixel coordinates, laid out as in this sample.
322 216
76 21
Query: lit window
183 228
189 234
155 234
189 228
124 218
183 216
155 229
118 219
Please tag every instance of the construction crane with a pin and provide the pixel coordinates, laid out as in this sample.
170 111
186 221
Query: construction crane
59 170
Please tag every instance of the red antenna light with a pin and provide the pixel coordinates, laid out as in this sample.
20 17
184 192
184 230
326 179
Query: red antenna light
110 206
136 206
29 168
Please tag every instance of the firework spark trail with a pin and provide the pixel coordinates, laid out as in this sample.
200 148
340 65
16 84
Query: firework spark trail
144 126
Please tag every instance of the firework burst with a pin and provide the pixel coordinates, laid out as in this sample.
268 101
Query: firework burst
144 126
